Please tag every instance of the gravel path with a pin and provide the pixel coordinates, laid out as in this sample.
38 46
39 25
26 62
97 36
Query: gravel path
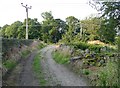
58 74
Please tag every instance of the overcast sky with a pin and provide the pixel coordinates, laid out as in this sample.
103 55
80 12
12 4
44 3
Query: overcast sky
11 10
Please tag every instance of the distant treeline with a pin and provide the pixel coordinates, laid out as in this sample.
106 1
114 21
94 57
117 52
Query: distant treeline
50 30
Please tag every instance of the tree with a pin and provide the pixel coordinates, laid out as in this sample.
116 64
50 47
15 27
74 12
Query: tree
90 28
21 32
3 30
47 25
34 29
61 28
110 12
73 29
47 16
52 29
111 24
12 30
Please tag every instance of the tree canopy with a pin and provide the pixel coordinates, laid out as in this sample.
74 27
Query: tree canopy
110 25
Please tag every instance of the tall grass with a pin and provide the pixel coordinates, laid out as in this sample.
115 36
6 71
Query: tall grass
108 76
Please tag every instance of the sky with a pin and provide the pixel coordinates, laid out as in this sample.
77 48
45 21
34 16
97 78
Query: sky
12 10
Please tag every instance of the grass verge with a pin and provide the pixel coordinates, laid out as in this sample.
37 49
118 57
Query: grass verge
60 57
9 64
12 62
103 76
41 45
108 76
38 70
25 53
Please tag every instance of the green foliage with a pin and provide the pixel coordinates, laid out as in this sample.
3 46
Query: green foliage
83 30
21 32
52 29
12 30
84 46
86 71
38 69
110 23
9 64
3 30
18 29
36 63
41 45
73 29
118 43
95 48
80 45
111 20
25 53
47 15
34 29
90 27
107 32
60 57
108 76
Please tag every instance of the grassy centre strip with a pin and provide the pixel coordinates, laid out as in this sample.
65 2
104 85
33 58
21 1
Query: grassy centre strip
38 70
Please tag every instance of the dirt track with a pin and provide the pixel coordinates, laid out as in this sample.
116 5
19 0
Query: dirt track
55 74
58 74
27 76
